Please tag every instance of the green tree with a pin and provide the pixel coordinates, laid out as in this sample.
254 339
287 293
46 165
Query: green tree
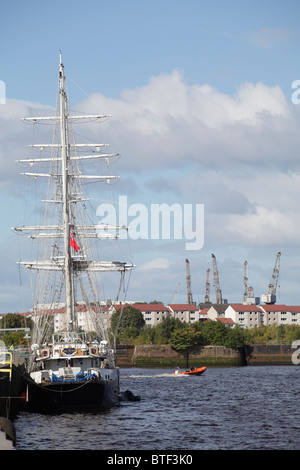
235 338
280 333
130 332
292 333
126 321
214 332
14 320
14 338
261 335
164 329
146 335
185 340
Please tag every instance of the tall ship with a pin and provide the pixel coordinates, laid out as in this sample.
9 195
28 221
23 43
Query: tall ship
72 365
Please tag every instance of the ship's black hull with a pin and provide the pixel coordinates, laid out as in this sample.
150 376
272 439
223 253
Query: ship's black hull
65 397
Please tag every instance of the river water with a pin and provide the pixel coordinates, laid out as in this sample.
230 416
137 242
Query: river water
236 408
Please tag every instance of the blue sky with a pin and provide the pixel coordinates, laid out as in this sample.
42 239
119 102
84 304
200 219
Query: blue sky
201 98
110 46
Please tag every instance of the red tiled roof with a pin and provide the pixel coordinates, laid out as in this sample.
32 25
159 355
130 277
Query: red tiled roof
245 308
294 308
204 310
23 314
183 307
150 307
227 321
276 308
79 308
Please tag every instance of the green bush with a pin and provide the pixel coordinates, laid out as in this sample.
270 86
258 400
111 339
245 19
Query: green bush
212 333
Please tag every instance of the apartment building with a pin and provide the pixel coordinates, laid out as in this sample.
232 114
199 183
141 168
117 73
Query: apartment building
251 316
185 312
281 314
246 316
85 318
153 313
213 312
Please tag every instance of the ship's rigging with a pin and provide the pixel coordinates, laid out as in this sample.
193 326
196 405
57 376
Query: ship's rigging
66 279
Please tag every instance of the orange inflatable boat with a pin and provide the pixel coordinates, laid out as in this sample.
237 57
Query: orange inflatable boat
191 371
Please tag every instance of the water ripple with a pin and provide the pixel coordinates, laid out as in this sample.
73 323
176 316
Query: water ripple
245 408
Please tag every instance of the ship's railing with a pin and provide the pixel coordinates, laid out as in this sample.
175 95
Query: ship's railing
4 361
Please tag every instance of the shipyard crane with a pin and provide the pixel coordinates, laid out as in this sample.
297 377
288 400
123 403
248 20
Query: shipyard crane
216 280
207 287
248 291
188 288
175 293
245 281
270 297
188 282
251 299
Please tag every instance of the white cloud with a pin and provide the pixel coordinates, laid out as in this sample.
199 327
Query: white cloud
168 122
156 264
15 137
264 227
238 155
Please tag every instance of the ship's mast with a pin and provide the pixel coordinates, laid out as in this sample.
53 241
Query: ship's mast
65 223
66 218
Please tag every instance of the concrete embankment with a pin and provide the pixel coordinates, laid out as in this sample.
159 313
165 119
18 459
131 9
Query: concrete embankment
272 354
164 356
7 434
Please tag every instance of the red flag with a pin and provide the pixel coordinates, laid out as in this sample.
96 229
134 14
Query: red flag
73 242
